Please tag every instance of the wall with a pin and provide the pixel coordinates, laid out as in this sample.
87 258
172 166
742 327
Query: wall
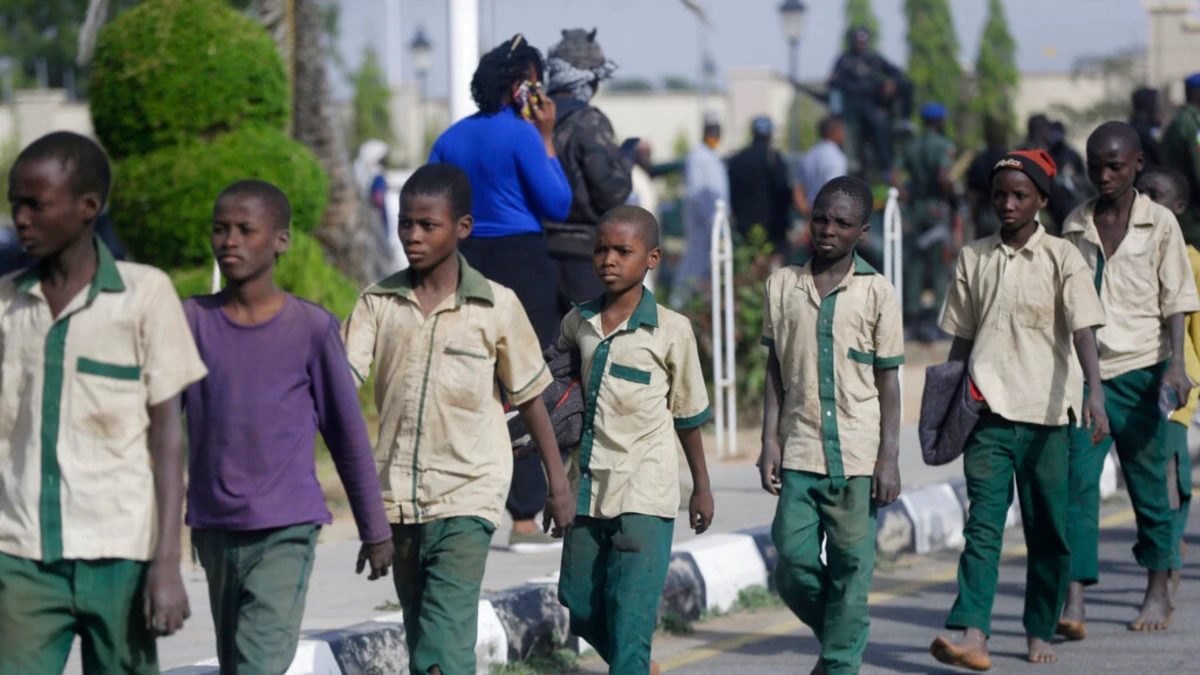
37 112
1174 51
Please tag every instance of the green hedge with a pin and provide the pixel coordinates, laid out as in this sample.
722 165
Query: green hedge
162 202
302 271
171 71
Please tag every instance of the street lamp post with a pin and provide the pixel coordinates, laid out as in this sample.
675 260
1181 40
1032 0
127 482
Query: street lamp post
421 51
791 14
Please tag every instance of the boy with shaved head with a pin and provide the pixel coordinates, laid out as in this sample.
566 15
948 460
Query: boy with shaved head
1137 254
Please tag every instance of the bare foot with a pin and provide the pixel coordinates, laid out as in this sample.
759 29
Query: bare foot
1156 611
970 651
526 526
1072 625
654 668
1040 651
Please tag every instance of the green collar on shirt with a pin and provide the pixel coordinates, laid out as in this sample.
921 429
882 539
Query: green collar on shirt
646 313
861 267
108 277
471 285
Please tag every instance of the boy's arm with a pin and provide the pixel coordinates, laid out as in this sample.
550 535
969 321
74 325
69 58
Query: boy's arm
340 421
165 602
885 484
1095 417
700 506
770 460
358 336
560 503
1177 298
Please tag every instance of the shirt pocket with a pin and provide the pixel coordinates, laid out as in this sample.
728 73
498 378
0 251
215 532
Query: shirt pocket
469 372
110 402
1035 303
858 382
627 388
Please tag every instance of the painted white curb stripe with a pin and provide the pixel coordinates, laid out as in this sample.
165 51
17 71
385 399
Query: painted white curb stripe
491 644
314 657
727 563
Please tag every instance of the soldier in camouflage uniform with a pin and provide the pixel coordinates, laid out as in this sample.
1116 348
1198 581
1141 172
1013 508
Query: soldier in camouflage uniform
1181 144
927 160
598 170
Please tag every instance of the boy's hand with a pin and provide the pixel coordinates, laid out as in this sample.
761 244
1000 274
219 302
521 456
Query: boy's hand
165 602
700 510
1177 380
560 509
770 467
379 556
885 484
1095 417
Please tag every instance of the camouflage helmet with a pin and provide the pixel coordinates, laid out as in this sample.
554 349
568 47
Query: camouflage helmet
578 47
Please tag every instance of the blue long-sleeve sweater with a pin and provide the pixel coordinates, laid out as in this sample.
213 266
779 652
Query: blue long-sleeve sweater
514 185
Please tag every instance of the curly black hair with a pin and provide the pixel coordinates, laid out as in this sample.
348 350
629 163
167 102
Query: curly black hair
500 69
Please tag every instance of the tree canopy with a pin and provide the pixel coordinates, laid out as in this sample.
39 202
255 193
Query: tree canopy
996 69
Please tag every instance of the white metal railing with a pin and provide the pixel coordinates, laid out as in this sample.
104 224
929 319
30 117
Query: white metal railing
893 256
724 370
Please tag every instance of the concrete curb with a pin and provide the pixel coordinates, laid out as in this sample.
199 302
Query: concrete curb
705 574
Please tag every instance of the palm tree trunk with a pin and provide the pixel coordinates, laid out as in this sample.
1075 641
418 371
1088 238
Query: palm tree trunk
346 230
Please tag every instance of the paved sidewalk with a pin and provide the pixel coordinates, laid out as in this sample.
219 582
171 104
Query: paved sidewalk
337 598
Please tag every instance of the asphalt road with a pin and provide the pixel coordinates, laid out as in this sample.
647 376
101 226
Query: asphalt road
910 602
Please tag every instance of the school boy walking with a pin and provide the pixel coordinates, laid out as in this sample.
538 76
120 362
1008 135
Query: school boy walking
1020 304
1140 266
831 422
277 374
642 388
93 356
1169 188
444 340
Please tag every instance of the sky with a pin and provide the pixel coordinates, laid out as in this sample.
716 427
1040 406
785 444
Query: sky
655 38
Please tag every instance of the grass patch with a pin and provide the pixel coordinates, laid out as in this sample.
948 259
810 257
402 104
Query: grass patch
558 661
674 624
388 606
755 598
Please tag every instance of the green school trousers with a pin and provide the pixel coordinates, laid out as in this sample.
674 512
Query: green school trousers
613 571
438 572
1177 451
257 586
44 606
1138 428
1039 457
831 597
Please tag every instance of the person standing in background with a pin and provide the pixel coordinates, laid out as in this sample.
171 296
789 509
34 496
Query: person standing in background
1146 122
979 178
826 160
707 183
597 169
507 151
759 189
645 192
1181 145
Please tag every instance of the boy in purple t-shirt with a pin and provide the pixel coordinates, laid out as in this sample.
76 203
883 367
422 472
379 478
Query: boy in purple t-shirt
277 373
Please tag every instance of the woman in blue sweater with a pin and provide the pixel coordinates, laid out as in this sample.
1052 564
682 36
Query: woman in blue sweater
507 150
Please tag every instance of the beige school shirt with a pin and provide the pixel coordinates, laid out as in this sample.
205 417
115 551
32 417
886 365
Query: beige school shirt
76 474
1145 281
641 383
828 350
1022 308
444 448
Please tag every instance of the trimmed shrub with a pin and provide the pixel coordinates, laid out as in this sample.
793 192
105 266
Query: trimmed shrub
302 271
162 202
170 72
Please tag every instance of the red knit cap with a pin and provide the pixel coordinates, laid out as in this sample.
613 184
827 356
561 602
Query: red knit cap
1037 164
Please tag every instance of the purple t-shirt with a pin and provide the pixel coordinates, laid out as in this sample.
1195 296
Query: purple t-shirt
253 421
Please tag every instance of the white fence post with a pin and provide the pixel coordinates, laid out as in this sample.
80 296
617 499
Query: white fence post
893 255
724 375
